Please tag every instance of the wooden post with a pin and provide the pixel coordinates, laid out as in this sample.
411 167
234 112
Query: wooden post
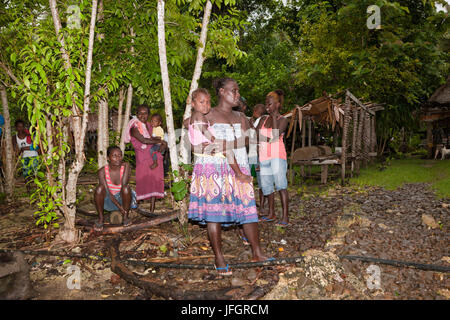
430 139
373 135
302 168
359 140
324 173
344 137
309 139
303 132
366 138
355 130
309 131
292 152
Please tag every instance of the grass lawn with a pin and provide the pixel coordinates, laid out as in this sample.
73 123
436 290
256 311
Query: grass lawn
435 172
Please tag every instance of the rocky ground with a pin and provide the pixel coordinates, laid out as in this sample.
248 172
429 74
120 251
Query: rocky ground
409 224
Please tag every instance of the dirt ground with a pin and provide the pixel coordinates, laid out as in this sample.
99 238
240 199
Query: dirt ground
325 224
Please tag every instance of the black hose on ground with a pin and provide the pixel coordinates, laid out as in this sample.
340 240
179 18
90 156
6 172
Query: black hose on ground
281 261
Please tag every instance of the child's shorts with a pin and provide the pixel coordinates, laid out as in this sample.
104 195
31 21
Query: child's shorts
273 172
29 166
110 206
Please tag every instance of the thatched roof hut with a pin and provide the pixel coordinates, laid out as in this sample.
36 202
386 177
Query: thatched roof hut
436 114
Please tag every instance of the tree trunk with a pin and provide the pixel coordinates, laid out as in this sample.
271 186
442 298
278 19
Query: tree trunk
126 116
168 103
102 133
9 157
184 142
68 232
119 114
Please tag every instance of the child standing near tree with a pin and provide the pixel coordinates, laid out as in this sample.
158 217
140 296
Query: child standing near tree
23 145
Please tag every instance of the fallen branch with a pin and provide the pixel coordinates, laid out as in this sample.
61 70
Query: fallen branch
186 258
109 229
167 292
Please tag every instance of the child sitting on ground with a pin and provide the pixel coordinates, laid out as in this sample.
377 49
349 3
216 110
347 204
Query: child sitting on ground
158 132
113 191
201 133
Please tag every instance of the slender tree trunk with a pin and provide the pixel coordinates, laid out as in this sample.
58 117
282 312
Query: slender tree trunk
9 157
126 116
119 114
184 142
68 232
168 104
102 132
166 85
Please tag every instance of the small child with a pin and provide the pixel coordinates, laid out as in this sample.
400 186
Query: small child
157 132
201 132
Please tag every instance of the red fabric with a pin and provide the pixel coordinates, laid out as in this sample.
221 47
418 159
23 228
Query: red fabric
149 183
28 136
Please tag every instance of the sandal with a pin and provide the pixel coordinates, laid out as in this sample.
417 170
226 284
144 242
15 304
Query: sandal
266 219
98 226
244 241
282 224
227 272
127 222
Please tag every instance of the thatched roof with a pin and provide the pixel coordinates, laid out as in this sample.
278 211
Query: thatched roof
442 94
326 110
438 106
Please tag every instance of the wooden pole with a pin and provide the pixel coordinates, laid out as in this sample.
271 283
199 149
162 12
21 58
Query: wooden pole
344 137
430 139
373 135
302 168
291 176
359 140
355 130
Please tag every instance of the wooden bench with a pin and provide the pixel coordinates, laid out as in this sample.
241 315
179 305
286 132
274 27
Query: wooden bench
314 156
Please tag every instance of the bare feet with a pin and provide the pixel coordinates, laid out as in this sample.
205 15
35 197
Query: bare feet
260 258
244 178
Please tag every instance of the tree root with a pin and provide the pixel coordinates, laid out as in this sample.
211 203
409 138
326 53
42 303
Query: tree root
151 288
175 293
109 229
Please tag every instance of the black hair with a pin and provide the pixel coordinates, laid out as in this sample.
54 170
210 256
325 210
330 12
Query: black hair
111 149
279 95
220 83
198 91
156 115
143 106
259 105
19 121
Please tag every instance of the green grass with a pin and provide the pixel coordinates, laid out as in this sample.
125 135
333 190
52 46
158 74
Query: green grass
437 173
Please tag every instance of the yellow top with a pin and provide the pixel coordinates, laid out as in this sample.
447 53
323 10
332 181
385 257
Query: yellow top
158 132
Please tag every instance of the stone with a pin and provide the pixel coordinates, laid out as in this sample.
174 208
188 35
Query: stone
238 282
429 221
15 282
252 275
